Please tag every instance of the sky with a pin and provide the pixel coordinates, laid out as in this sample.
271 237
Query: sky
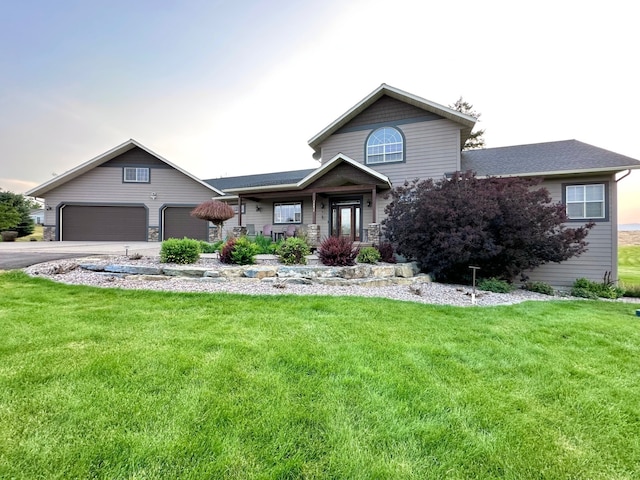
226 88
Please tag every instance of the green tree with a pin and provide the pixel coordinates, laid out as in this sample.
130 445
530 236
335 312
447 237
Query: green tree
23 206
476 139
9 217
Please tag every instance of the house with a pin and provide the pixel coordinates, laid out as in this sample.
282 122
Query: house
37 215
131 193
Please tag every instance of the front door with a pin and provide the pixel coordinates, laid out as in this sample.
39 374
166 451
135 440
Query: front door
345 219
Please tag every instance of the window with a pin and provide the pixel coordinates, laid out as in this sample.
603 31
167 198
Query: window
585 201
136 175
235 208
287 212
385 145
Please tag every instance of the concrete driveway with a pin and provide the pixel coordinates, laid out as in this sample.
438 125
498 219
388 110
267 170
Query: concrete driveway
24 254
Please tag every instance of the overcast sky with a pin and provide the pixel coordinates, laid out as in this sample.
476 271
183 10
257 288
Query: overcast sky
226 88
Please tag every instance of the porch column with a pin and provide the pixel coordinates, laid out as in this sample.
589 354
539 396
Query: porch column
313 206
373 204
239 210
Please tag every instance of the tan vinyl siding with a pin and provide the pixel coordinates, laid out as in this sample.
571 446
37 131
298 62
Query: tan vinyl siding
103 185
431 150
602 252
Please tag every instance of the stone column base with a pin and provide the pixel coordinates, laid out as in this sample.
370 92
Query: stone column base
48 233
239 232
374 233
313 234
153 234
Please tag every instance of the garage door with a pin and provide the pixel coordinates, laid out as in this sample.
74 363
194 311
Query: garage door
104 223
177 222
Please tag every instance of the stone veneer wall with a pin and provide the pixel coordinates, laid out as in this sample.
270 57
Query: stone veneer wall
313 234
375 233
153 234
48 233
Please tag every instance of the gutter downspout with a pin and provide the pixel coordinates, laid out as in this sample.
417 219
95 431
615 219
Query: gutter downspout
624 176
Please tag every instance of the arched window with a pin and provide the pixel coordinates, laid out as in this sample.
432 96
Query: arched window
385 145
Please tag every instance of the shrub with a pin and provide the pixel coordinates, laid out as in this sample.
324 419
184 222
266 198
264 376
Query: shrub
206 247
369 255
585 288
293 251
182 251
506 226
539 287
9 236
244 252
386 252
495 285
227 250
264 245
337 251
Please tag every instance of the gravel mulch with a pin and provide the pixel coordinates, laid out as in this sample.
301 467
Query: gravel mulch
68 271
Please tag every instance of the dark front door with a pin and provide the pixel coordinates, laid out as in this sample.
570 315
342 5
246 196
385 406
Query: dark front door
345 219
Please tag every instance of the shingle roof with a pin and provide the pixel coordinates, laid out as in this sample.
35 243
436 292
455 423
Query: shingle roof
259 180
543 158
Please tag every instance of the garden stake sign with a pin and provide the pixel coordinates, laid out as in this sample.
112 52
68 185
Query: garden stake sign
473 294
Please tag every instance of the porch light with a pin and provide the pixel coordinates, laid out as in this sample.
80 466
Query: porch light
258 208
153 195
368 203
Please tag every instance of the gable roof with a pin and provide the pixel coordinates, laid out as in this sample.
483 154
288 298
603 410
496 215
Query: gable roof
59 180
550 158
291 180
466 121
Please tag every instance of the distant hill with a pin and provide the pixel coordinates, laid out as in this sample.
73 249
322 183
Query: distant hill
629 226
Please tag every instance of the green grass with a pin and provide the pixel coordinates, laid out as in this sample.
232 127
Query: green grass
100 383
37 234
629 264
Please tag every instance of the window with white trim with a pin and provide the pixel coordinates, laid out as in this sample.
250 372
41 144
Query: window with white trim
385 145
136 174
585 201
290 212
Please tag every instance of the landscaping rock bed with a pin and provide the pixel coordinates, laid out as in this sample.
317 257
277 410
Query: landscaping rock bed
270 278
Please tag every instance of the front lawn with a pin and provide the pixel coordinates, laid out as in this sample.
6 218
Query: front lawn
629 264
99 383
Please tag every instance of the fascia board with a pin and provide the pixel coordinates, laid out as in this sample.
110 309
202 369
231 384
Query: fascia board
468 120
616 169
338 159
103 158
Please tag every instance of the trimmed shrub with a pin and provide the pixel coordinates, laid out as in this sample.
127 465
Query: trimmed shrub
244 252
9 236
387 253
539 287
337 252
494 285
183 251
293 251
369 255
585 288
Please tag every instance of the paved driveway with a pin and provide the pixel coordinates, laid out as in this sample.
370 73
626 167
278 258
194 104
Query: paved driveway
23 254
